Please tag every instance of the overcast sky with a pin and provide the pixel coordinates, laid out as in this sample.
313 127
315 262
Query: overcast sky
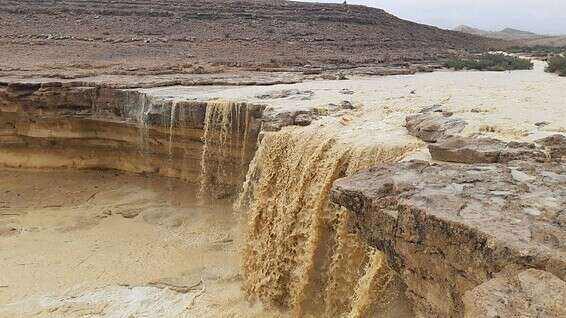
541 16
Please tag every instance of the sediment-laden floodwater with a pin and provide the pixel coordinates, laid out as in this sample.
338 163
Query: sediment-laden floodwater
107 243
104 243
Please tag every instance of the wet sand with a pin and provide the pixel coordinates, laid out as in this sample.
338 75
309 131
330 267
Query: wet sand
102 243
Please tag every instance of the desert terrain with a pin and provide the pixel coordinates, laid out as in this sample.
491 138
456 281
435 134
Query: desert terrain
272 159
178 37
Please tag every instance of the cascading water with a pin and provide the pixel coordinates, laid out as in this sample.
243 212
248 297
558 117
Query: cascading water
301 253
145 105
170 159
225 140
171 126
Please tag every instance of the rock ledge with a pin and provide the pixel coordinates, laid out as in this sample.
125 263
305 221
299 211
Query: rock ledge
450 228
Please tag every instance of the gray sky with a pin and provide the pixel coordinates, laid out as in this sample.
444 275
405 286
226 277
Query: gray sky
541 16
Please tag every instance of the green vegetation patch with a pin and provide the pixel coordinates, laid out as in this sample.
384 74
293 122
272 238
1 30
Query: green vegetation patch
537 50
490 62
557 64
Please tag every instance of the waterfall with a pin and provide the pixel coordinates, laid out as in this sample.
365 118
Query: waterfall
301 253
171 128
144 108
225 141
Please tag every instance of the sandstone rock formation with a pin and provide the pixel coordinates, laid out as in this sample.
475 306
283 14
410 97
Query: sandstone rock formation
489 150
51 125
450 228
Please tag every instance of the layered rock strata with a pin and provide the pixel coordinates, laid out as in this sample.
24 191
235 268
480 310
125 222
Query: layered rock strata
55 125
180 37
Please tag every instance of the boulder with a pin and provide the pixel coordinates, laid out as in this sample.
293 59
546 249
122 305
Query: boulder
434 126
483 150
275 120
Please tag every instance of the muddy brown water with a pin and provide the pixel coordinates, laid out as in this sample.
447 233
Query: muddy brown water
103 243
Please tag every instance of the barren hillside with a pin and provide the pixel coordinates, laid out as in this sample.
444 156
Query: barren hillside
169 36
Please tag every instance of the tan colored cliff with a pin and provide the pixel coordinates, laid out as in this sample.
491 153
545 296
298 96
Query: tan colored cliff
57 125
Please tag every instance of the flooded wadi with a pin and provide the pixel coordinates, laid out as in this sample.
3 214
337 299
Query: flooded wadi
277 158
87 243
186 205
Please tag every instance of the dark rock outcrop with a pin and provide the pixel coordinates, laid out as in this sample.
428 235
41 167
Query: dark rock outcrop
555 146
291 94
275 120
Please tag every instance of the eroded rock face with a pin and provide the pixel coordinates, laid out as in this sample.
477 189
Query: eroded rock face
449 228
530 293
52 125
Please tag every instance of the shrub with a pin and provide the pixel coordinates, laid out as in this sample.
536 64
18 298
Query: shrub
557 64
490 62
539 50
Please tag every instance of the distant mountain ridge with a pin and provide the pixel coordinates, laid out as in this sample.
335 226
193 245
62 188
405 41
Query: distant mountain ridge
525 38
515 31
505 34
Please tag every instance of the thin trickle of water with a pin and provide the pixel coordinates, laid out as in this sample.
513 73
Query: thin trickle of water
217 123
171 127
372 287
245 140
170 159
301 253
142 121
